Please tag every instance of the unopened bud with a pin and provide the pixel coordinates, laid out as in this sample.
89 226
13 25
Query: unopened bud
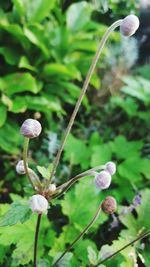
20 167
31 128
109 205
52 188
110 167
102 180
129 25
38 204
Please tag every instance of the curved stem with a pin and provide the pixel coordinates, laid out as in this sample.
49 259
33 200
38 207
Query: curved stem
124 247
36 240
80 235
83 91
64 187
25 155
31 172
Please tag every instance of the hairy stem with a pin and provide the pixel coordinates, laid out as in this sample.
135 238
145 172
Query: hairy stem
32 173
83 91
124 247
36 240
25 156
81 234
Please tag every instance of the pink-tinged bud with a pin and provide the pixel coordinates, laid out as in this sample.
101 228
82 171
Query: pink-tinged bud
109 205
31 128
102 180
20 167
52 188
38 204
129 25
110 167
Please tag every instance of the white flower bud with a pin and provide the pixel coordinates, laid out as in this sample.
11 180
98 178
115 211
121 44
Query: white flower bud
31 128
110 167
102 180
20 167
52 188
129 25
38 204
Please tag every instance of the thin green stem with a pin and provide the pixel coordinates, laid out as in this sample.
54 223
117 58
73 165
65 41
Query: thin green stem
80 235
83 91
36 240
25 156
124 247
64 187
32 173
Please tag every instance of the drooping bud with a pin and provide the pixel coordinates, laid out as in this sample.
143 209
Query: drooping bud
20 167
110 167
31 128
129 25
38 204
109 205
52 188
102 180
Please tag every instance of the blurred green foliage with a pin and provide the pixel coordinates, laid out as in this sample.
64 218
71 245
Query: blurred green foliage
45 51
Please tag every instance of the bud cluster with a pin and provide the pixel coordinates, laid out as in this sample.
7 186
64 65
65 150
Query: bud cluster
103 179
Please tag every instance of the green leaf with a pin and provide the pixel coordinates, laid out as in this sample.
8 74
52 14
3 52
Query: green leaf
45 172
78 15
10 55
10 138
3 114
20 82
37 10
77 152
19 212
25 64
126 149
92 255
101 154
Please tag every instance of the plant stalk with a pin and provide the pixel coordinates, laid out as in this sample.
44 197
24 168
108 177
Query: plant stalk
25 156
80 235
83 91
36 240
124 247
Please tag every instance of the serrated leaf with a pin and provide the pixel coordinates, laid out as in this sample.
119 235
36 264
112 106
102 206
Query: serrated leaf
45 172
19 212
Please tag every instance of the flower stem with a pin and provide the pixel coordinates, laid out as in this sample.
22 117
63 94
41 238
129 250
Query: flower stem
64 187
124 247
80 235
36 240
83 91
25 155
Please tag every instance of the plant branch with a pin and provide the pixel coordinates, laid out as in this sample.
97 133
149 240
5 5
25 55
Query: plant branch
64 187
124 247
32 173
25 155
36 240
83 91
80 235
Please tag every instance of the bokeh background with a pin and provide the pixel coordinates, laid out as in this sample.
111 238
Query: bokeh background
46 47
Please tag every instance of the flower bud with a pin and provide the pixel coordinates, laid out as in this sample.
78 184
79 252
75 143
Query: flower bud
102 180
38 204
129 25
20 167
110 167
52 188
31 128
109 205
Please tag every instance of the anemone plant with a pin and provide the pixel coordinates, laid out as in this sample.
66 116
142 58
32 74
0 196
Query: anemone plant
46 191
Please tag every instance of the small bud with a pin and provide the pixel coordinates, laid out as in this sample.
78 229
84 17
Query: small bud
20 167
31 128
129 25
110 167
137 201
38 204
109 205
52 188
102 180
